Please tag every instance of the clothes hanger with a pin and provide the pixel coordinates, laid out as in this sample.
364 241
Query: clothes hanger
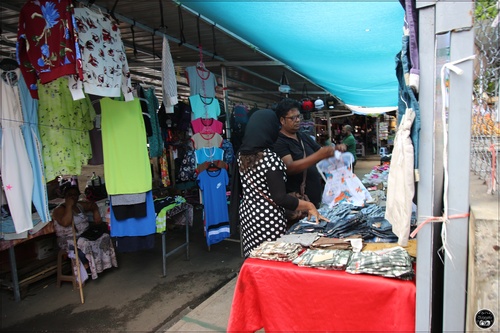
143 99
201 66
213 167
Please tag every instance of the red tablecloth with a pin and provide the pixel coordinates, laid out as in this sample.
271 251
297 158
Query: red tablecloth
281 296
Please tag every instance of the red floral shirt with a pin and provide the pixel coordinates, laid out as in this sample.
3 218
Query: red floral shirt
46 42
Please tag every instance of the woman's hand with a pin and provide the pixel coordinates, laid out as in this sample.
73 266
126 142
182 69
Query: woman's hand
312 211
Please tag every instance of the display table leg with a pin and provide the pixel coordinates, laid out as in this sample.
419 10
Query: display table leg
15 278
166 254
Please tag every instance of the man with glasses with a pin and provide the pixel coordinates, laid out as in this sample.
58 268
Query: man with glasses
300 152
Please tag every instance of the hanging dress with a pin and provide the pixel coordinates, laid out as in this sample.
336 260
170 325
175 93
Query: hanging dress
155 141
17 175
64 129
401 183
34 149
128 169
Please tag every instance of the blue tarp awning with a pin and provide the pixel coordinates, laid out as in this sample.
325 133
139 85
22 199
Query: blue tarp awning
348 48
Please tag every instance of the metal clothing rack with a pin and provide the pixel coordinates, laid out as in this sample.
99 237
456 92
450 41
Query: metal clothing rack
183 208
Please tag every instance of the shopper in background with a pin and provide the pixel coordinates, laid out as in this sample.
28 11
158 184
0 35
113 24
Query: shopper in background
350 142
300 152
263 175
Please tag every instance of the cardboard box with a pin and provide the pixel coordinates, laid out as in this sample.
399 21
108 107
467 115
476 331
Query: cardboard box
45 248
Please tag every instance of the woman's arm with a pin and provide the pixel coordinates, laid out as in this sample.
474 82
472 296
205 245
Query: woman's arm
281 198
277 190
89 206
298 166
64 213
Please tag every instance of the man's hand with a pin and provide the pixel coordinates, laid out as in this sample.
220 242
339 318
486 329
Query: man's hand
341 147
326 152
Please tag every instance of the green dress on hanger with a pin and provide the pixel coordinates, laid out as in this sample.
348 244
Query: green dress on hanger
64 126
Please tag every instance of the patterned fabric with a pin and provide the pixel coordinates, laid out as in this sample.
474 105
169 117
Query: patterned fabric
99 253
105 67
169 81
187 171
165 177
305 240
260 220
46 42
175 211
393 262
64 129
227 146
324 259
324 243
276 251
343 186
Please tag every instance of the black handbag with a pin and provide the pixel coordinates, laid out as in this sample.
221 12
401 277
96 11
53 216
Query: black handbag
94 231
96 190
293 216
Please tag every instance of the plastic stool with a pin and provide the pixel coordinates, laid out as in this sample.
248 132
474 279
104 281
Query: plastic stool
62 255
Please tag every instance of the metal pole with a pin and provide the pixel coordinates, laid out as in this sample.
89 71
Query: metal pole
226 101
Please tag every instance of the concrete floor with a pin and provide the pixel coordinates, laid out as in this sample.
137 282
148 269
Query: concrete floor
133 297
195 295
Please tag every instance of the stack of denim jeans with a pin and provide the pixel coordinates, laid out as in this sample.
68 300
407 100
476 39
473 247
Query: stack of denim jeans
381 231
353 224
304 226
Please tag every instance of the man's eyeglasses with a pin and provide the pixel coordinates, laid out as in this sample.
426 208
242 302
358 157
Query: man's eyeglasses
295 118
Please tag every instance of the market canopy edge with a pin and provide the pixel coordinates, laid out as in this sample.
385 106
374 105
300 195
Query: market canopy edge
348 48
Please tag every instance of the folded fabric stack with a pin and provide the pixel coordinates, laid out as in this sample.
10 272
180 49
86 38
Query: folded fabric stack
393 262
328 243
276 251
381 230
324 259
379 174
304 240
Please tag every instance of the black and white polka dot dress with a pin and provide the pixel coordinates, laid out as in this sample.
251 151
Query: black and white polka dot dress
260 219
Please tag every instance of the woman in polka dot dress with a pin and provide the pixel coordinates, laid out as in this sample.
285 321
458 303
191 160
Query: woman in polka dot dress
263 177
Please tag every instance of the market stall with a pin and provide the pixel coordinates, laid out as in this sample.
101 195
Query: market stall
306 299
